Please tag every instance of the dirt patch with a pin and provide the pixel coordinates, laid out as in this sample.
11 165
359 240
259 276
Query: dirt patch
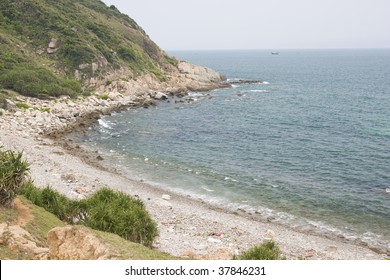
24 213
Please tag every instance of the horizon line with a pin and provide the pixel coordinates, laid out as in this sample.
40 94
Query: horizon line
280 49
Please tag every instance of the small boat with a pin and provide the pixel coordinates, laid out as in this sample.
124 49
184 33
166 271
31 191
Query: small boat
274 53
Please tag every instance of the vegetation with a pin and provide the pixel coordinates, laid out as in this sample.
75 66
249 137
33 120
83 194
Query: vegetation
22 105
268 250
131 251
52 201
13 171
106 210
104 96
42 222
121 214
86 32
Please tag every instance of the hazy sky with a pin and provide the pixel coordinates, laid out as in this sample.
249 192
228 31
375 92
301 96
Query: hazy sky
261 24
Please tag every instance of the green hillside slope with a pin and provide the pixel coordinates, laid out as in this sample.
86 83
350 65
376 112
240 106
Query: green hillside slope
53 47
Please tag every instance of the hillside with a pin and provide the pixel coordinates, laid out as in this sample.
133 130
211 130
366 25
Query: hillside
24 234
62 47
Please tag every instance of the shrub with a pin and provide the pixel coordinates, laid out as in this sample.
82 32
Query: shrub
269 250
117 212
13 171
106 210
38 82
52 201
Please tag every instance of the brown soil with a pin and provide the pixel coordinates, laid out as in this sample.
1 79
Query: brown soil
24 213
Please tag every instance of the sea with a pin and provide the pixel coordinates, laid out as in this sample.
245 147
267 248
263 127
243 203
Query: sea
308 147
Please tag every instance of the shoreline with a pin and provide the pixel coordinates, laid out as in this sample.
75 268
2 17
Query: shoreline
188 227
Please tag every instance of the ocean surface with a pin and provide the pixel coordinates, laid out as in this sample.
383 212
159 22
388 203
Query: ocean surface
308 148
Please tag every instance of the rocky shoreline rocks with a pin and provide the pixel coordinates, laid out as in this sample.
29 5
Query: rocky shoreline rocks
31 116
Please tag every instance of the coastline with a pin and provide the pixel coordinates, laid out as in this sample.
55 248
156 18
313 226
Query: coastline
188 226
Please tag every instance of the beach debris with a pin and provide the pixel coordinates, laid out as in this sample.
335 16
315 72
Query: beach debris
217 234
68 178
269 235
80 190
166 197
309 253
213 240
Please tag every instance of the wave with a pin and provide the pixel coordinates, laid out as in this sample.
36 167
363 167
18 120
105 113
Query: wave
258 90
207 190
104 124
196 94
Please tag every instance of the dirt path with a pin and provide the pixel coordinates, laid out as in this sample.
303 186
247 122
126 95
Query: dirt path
24 213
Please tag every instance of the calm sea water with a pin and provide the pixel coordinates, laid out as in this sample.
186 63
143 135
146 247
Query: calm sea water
308 148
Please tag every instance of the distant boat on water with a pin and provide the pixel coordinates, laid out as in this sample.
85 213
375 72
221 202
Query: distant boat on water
274 53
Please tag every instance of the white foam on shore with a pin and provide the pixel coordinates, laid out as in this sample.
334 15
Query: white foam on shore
208 190
259 90
230 179
104 124
196 94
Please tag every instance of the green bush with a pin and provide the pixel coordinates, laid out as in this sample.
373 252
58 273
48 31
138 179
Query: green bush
117 212
38 82
52 201
13 172
106 210
269 250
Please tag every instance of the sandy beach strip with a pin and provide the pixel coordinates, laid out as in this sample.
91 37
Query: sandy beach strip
187 226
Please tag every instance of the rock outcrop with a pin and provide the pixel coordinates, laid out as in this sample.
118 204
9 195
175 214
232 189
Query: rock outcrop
53 46
199 73
77 243
16 238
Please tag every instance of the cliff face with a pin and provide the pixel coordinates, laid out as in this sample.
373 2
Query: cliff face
63 47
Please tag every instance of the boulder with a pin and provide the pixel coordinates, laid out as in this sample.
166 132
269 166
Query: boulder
53 46
77 243
200 73
160 96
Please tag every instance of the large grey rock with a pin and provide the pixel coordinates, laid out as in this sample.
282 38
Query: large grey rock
54 43
160 96
53 46
200 73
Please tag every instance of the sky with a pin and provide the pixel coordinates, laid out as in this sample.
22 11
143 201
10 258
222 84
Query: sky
261 24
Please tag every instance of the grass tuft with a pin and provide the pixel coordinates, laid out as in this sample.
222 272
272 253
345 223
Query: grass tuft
13 172
105 210
268 250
